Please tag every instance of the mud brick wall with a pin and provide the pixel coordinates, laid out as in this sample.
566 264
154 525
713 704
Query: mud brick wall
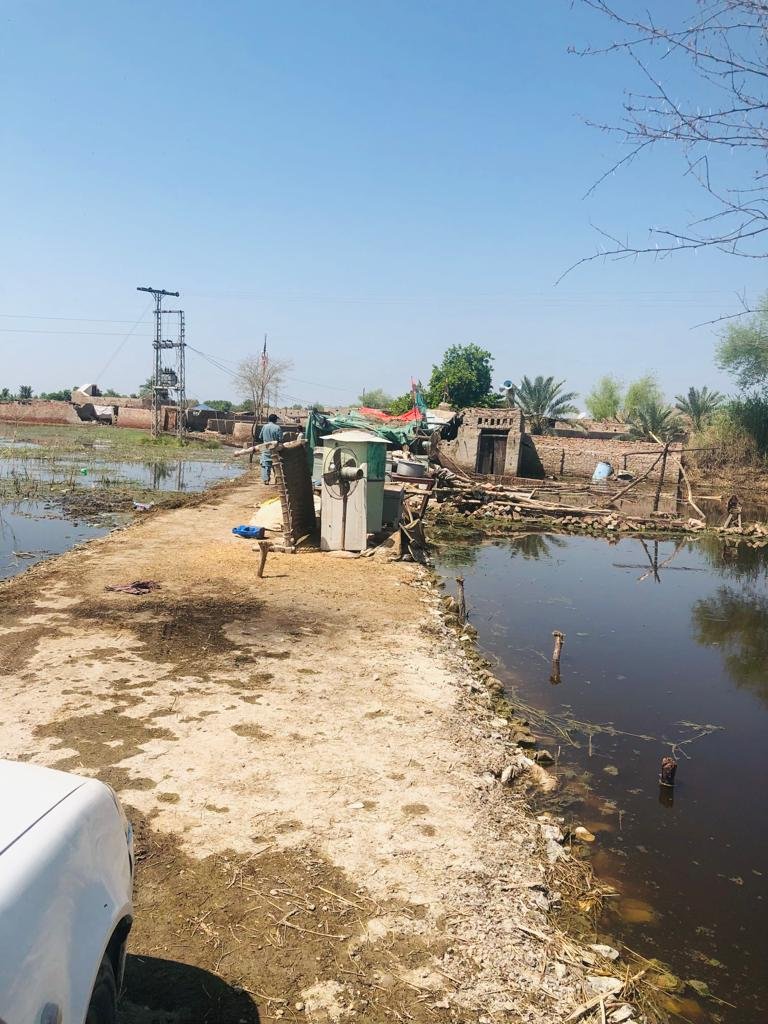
127 416
294 482
577 457
38 412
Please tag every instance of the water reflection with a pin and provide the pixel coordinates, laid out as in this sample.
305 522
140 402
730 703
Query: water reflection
536 545
743 561
737 622
653 664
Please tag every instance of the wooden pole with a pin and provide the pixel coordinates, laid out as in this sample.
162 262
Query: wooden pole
559 639
462 601
662 471
263 549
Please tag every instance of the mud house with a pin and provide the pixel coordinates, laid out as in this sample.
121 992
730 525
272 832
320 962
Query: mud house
494 442
488 442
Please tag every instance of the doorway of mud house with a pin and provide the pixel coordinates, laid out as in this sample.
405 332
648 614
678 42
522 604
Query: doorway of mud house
491 452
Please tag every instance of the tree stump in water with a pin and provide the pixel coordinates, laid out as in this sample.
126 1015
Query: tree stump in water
559 641
668 769
461 600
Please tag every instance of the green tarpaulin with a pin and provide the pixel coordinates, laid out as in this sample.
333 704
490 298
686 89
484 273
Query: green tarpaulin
319 425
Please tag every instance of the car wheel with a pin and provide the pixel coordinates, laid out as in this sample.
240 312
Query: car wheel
102 1008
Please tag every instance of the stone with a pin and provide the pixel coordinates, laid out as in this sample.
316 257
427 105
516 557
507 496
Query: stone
668 982
611 769
701 988
602 985
543 757
620 1015
583 834
607 951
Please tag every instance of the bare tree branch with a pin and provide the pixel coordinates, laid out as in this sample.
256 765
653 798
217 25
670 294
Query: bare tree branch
722 46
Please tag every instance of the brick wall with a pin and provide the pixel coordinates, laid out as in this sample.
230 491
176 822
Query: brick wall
38 411
130 417
577 457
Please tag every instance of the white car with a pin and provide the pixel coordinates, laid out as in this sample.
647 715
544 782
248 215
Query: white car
66 879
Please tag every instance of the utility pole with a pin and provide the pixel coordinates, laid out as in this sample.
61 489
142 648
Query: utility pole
167 379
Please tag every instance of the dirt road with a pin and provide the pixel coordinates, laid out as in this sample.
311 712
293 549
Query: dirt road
304 765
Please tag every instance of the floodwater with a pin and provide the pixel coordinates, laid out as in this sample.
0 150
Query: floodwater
159 475
31 531
666 651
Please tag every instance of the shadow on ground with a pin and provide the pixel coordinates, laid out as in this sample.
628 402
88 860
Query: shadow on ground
168 992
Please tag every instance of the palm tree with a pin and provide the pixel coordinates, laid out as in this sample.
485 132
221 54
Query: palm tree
699 405
653 420
541 399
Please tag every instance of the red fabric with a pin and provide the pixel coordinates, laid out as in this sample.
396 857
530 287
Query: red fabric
377 414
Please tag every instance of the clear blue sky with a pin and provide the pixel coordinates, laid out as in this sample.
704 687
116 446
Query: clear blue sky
368 182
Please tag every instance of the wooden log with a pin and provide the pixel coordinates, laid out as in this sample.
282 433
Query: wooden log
264 546
662 471
635 482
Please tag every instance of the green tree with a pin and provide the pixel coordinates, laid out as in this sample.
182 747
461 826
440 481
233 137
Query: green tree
604 400
403 404
750 414
699 405
642 392
145 390
464 377
25 391
64 395
5 395
653 419
542 399
375 399
743 349
111 393
219 404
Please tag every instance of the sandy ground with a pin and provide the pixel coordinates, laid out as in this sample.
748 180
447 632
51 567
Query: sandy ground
306 767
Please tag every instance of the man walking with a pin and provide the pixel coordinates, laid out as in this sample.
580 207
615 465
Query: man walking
271 431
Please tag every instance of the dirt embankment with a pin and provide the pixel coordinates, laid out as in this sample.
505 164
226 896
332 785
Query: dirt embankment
306 766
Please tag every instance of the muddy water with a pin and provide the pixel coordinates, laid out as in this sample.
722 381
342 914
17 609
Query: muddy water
31 531
666 644
159 475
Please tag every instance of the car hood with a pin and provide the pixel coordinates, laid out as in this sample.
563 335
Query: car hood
29 793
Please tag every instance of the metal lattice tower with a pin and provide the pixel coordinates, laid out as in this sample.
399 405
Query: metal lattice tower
165 378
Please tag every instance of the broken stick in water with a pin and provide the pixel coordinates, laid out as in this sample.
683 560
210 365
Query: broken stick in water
559 641
461 600
668 769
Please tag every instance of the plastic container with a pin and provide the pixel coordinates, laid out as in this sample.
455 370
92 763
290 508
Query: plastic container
249 532
603 470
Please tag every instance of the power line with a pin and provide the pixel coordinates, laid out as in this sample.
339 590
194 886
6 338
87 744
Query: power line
94 334
122 343
72 319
